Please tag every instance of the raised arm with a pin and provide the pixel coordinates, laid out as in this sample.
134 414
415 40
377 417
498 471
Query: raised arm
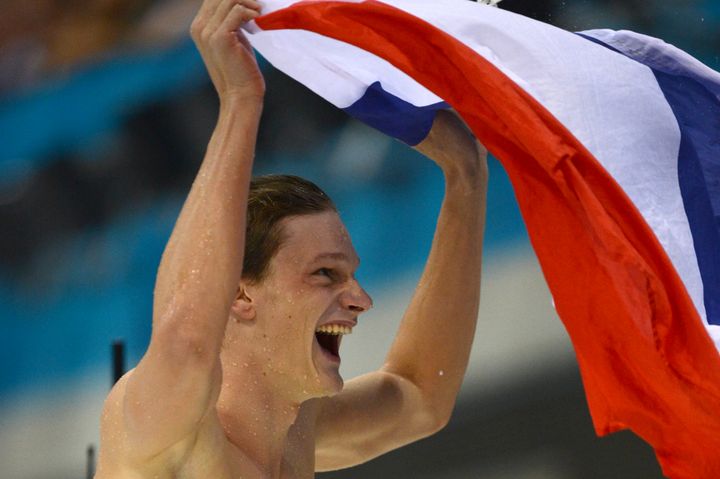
439 324
413 394
179 376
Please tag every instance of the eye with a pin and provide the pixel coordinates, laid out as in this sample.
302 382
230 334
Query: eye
327 272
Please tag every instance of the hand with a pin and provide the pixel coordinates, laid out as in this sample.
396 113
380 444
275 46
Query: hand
453 147
227 54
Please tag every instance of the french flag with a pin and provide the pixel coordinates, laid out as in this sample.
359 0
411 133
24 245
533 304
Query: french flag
611 140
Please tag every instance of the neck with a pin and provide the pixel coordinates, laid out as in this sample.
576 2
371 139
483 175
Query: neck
256 415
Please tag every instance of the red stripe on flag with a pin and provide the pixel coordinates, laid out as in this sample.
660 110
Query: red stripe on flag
646 360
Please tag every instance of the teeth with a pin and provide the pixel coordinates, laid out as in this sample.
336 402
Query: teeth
334 329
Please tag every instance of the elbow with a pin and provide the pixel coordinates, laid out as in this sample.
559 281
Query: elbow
439 419
437 414
430 419
428 423
437 409
430 403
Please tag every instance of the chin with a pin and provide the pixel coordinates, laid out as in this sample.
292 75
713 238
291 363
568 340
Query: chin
336 387
329 383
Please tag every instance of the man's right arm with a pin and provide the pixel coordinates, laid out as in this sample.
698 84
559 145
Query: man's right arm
178 378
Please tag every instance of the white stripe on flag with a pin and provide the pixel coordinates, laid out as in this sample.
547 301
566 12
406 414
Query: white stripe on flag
611 104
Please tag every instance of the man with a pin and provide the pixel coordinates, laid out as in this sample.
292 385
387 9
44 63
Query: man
241 375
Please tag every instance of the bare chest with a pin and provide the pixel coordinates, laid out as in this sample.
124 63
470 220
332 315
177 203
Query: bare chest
213 455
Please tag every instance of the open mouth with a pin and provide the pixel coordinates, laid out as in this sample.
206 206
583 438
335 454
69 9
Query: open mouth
329 336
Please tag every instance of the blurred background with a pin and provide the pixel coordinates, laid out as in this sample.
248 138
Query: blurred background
105 111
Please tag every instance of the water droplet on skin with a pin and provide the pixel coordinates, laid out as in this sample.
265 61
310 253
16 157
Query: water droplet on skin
246 364
234 364
441 373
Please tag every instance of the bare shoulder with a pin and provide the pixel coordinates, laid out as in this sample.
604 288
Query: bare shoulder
111 419
120 454
112 432
124 455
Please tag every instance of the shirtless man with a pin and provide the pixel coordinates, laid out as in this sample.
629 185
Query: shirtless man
241 375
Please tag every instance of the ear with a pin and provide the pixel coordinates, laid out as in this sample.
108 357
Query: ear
243 308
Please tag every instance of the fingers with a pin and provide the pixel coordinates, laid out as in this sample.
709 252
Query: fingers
207 8
232 16
228 56
226 14
237 17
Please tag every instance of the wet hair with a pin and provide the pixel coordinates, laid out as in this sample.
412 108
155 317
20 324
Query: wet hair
271 199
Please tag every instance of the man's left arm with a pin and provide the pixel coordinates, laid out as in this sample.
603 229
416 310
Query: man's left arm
413 394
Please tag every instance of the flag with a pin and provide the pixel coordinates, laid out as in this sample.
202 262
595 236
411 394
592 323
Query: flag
611 140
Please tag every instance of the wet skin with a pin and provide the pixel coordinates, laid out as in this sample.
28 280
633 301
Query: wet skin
234 383
311 282
272 364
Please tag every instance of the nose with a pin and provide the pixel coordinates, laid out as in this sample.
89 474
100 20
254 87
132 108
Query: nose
356 299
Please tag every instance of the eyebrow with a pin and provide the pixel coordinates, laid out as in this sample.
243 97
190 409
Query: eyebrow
334 256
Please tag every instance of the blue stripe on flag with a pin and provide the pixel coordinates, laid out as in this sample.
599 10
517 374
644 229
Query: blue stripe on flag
393 116
698 114
697 111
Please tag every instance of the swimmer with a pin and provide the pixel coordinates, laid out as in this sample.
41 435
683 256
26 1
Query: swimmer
254 291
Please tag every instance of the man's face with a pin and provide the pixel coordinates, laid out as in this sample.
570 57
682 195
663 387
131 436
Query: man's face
308 299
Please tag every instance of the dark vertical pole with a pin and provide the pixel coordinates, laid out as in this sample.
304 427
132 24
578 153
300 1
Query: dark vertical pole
90 462
118 355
